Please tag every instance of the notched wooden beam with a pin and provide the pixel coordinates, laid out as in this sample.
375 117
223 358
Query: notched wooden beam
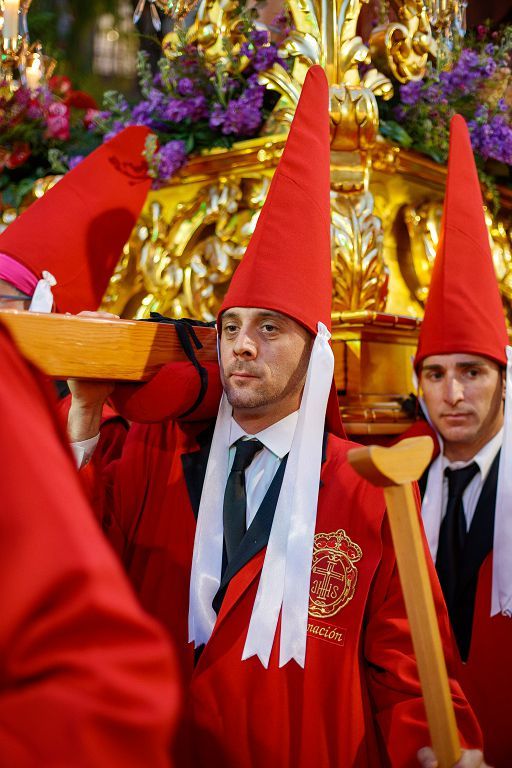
68 346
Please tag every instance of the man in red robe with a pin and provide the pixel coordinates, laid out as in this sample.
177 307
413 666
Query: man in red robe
252 539
87 678
467 491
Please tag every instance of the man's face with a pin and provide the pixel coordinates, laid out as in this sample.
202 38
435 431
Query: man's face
264 360
464 396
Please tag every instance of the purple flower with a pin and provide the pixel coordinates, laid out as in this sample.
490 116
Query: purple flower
468 59
216 117
73 161
410 92
433 94
265 57
481 112
170 158
281 23
142 114
490 67
116 127
185 86
246 49
103 115
259 37
194 109
242 116
493 139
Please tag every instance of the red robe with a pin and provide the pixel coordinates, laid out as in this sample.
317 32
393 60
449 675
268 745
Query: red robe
86 677
486 677
113 429
358 700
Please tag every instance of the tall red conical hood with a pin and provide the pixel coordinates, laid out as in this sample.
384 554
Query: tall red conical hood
287 265
463 311
78 229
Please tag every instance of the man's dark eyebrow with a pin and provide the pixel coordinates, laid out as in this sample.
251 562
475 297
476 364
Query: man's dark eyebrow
230 315
271 313
468 364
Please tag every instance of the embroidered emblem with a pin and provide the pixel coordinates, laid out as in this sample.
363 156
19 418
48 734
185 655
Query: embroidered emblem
333 573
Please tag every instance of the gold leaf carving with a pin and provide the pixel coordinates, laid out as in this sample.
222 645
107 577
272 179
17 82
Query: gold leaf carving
360 276
183 268
418 243
401 49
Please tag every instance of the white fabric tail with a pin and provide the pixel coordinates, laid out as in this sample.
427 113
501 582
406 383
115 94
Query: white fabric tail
208 542
501 601
42 300
285 578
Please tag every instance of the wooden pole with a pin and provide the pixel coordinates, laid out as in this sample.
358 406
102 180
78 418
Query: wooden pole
74 347
395 469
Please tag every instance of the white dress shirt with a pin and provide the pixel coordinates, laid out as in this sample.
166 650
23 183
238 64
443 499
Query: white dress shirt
84 449
484 458
277 441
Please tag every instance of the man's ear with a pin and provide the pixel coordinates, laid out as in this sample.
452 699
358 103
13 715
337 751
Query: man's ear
503 383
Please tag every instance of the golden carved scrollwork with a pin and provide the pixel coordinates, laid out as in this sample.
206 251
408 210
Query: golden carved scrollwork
183 267
326 34
501 243
360 276
401 49
217 24
418 249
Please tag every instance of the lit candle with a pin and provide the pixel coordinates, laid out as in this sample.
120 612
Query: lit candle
11 9
33 75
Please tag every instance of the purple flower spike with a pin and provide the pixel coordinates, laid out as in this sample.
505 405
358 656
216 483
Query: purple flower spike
170 158
186 86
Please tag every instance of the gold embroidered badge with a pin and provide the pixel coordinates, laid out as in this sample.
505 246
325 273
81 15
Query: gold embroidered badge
333 573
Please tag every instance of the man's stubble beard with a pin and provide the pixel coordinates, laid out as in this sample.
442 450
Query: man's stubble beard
250 400
270 395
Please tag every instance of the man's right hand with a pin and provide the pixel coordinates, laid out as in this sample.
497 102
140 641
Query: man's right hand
88 398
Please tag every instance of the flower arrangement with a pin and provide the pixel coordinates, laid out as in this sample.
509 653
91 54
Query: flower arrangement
39 129
478 86
193 103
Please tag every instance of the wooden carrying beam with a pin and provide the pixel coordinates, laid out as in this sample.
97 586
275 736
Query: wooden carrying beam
68 346
395 469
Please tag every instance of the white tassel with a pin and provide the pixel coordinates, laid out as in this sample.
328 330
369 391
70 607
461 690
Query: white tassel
42 300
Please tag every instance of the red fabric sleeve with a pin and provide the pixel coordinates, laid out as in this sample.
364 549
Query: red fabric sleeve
392 672
86 677
172 393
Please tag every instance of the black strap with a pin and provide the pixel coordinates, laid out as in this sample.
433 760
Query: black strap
188 340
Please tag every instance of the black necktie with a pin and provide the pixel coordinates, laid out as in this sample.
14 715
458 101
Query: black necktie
235 499
452 535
